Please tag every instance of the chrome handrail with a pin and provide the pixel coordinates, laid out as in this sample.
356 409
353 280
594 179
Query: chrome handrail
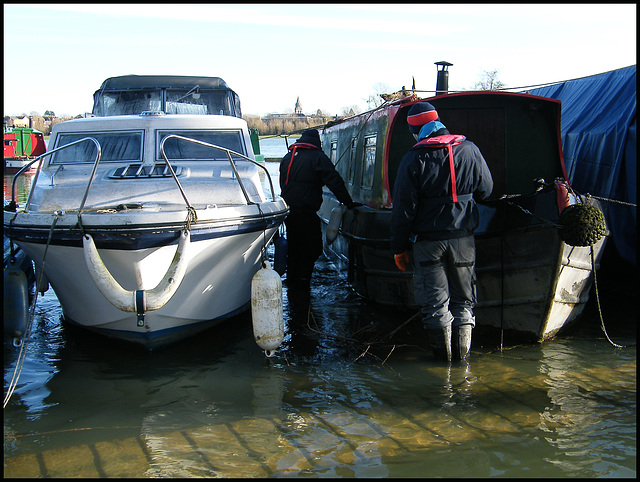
41 159
229 153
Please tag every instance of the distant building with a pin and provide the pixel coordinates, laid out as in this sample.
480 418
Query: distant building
21 121
297 114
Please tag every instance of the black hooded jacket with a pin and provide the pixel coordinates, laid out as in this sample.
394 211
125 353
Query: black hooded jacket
422 194
302 179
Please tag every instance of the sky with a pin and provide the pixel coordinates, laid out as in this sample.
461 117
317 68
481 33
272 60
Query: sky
330 56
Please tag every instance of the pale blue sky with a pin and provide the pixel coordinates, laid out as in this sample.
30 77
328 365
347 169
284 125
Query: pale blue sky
330 55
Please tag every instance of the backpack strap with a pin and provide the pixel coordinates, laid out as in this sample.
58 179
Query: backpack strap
295 146
447 141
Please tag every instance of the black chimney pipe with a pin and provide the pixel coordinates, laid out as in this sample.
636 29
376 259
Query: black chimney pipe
442 83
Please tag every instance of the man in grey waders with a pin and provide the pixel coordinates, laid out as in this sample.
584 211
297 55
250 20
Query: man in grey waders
434 200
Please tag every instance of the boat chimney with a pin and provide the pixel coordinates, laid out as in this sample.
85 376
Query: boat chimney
442 83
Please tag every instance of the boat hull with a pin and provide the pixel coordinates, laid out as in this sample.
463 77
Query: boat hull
529 282
215 287
12 165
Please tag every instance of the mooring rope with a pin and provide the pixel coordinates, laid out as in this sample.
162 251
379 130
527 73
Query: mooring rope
25 337
595 285
593 265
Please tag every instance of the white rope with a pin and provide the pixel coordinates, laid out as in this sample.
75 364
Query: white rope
25 337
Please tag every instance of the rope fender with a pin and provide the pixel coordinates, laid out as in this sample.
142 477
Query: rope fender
137 301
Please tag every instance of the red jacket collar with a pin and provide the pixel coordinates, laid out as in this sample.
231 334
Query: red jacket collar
441 141
303 145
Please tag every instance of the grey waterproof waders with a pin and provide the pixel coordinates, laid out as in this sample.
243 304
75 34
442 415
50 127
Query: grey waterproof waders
461 341
440 342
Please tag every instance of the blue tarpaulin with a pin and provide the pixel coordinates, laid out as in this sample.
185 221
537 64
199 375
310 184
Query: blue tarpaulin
598 127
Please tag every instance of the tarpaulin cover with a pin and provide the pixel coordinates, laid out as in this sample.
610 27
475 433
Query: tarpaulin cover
598 128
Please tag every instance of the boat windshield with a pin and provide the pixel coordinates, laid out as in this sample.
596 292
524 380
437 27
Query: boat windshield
215 102
115 146
179 149
127 103
177 101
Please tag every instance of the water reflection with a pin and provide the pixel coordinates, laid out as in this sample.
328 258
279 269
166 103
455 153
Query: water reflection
23 185
228 411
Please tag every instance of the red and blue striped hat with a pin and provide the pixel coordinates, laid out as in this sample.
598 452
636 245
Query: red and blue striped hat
420 114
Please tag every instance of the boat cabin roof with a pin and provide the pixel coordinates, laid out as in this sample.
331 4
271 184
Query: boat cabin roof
145 82
171 94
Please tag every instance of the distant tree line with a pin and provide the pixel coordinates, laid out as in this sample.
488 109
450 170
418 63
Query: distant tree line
43 123
286 124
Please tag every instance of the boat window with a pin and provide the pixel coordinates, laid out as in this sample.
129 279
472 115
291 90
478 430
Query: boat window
184 150
194 101
334 152
127 103
369 161
352 160
115 146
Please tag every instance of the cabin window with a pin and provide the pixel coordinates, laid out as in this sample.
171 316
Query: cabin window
127 102
195 101
334 152
369 161
352 160
179 149
115 146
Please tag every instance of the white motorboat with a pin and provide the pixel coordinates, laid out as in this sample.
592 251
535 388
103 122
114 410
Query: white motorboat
149 227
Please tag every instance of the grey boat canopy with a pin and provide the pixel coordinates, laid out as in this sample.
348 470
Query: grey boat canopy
171 94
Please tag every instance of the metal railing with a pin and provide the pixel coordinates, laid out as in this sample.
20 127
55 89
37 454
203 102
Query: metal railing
229 153
41 159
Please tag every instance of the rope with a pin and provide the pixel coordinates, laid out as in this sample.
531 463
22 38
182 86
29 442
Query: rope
25 338
624 203
263 251
192 217
526 211
593 265
595 284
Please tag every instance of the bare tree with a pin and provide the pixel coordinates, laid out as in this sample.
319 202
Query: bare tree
489 81
375 100
350 110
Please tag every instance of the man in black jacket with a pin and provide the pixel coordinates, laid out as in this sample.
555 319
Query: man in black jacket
434 196
304 170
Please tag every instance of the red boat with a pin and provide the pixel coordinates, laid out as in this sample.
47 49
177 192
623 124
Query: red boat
21 146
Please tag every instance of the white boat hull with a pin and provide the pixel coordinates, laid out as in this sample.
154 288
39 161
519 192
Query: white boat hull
214 288
106 232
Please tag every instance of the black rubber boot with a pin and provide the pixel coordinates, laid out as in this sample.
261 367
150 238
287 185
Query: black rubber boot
461 341
440 342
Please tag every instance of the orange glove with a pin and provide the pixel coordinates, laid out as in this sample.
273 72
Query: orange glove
402 260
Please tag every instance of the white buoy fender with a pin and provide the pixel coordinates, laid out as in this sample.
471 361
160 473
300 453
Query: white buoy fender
334 223
266 309
16 302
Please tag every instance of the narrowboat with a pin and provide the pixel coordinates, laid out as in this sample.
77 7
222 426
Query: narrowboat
533 279
21 145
